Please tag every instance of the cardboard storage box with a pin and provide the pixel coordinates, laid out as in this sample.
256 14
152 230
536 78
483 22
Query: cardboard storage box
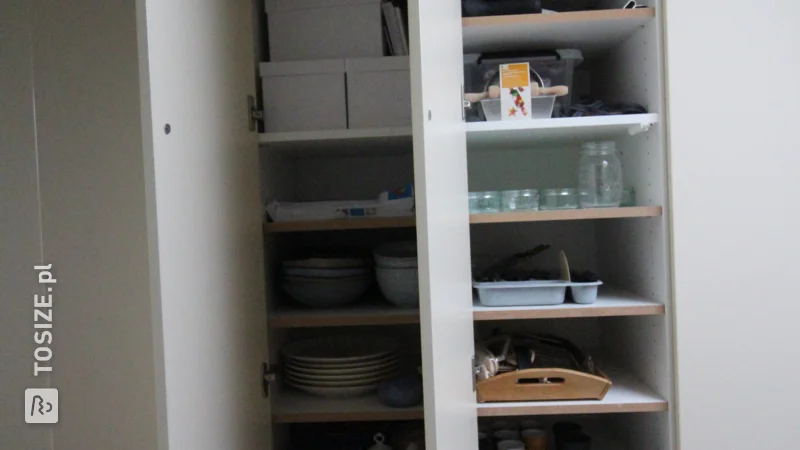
304 95
378 92
337 31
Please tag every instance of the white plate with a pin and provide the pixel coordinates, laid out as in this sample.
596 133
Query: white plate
340 349
357 367
363 382
354 391
342 377
342 372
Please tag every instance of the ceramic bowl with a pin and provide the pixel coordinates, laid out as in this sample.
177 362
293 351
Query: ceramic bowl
401 392
325 273
326 292
400 286
397 255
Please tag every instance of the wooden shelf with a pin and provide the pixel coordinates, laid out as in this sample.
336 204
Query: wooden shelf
504 217
523 133
627 395
368 141
610 303
368 314
567 214
593 32
341 224
293 406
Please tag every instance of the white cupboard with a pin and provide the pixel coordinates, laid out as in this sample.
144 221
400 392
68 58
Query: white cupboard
200 305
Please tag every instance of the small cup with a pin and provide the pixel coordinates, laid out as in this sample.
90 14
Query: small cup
531 425
511 444
506 435
521 200
503 425
488 202
535 439
484 442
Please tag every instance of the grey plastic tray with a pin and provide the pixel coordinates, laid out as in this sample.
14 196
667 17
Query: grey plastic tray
534 292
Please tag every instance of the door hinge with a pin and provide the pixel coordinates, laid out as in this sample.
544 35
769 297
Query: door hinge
268 376
255 114
465 104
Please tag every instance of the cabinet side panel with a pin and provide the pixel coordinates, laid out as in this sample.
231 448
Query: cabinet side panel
440 174
20 230
734 177
634 254
91 174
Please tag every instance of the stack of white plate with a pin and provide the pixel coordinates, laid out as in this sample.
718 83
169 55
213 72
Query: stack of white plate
339 366
326 282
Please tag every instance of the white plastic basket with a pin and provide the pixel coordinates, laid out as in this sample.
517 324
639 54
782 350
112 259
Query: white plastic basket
541 107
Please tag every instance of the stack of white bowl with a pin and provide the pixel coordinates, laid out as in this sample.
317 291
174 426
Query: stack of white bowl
397 273
326 282
340 366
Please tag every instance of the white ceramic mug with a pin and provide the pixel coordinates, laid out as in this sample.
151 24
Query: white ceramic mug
511 445
506 435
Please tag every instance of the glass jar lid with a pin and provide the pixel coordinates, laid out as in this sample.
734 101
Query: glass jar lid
598 148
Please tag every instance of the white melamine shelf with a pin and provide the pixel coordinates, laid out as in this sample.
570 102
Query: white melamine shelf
293 406
340 142
627 395
610 302
373 313
517 133
593 32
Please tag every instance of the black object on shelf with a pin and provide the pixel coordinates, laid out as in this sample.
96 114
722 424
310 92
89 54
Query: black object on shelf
478 8
574 441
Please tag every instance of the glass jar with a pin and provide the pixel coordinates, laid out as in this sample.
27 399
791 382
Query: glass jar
600 175
521 200
561 198
473 203
488 202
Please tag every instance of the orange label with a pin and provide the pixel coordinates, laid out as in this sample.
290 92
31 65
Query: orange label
514 75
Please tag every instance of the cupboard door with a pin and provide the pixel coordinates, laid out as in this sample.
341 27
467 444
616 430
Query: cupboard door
734 170
440 174
205 220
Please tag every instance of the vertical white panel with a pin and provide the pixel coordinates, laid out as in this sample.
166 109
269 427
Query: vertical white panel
85 66
20 229
440 174
734 179
205 219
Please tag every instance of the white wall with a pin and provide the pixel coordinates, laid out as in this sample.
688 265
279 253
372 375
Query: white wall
94 222
733 116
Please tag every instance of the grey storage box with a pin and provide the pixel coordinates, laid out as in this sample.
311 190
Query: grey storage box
378 92
304 95
335 31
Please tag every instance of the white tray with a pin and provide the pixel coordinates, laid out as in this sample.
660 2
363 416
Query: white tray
534 292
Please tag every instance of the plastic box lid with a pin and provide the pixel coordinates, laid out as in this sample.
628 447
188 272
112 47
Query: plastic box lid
386 63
